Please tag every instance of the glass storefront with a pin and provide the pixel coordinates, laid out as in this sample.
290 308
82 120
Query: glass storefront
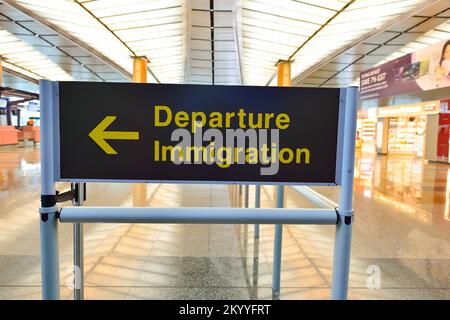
368 134
407 135
409 130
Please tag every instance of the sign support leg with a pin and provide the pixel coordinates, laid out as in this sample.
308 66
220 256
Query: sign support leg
78 245
246 190
283 80
342 244
257 205
240 196
276 275
255 268
49 256
49 210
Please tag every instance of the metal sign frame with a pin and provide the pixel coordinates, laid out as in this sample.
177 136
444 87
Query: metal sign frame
51 215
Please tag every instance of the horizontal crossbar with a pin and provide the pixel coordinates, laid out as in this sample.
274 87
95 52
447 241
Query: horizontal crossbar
197 215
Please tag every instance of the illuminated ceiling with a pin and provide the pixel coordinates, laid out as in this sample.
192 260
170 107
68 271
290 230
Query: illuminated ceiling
227 42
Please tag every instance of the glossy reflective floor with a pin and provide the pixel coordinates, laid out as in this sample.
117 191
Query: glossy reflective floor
401 239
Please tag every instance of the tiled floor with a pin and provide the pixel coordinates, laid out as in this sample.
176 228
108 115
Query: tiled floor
401 231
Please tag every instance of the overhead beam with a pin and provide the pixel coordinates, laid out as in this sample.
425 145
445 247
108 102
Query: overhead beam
19 93
133 54
19 75
69 37
21 25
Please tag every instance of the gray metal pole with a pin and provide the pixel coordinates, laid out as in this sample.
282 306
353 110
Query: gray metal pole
48 210
257 205
247 187
240 196
78 246
342 244
231 195
276 275
255 268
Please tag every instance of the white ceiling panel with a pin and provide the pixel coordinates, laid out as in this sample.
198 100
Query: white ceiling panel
227 42
403 24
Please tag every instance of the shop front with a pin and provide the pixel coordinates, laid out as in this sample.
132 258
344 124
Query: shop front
396 130
366 130
402 129
418 130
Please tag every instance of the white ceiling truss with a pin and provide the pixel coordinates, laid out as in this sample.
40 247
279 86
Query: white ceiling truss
219 42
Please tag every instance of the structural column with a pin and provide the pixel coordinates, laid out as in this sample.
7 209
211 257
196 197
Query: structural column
284 73
8 107
140 69
140 76
284 80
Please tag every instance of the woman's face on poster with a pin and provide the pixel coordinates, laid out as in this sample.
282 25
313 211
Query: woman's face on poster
447 53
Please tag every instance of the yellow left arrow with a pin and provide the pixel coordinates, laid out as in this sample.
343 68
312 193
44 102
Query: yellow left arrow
99 135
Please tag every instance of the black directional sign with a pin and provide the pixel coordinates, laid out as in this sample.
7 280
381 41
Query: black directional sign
165 132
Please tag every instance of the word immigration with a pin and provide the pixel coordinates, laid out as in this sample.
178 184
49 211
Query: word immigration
231 138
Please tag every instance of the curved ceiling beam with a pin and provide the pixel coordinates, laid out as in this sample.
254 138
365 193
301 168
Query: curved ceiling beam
68 36
20 75
132 53
238 38
313 35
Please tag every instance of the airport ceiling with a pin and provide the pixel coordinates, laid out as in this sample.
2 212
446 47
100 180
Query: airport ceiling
226 42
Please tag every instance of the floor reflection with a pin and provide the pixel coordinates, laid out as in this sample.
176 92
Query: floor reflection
402 227
410 184
20 168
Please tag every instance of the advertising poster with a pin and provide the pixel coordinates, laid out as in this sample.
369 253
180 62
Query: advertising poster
426 69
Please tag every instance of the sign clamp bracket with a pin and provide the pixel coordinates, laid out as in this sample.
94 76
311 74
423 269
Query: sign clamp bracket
71 195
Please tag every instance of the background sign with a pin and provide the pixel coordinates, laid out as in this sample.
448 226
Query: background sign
33 106
426 69
132 132
3 103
